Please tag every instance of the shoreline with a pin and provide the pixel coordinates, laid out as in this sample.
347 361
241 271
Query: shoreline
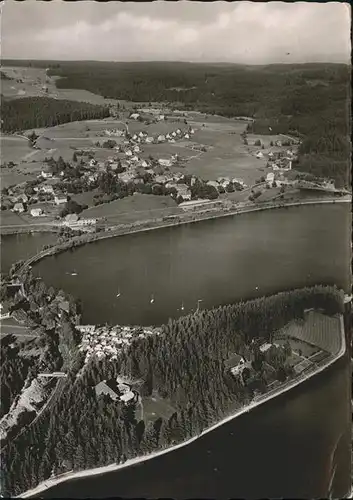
52 228
113 232
257 401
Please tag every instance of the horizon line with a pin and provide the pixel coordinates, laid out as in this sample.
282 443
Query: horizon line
170 62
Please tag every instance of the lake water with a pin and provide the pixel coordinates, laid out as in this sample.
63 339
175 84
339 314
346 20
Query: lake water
217 261
286 448
15 247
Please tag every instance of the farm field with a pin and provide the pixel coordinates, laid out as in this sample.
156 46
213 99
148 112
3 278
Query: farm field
34 79
13 148
85 198
166 150
317 329
269 194
9 218
132 208
10 176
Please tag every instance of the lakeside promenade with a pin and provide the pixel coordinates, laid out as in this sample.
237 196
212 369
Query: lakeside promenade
150 225
257 401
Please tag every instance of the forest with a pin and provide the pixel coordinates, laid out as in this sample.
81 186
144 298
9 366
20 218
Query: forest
185 365
39 112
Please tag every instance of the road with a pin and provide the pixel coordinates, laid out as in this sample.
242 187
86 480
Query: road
56 393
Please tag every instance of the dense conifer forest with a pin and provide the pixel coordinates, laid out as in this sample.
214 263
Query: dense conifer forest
38 112
185 365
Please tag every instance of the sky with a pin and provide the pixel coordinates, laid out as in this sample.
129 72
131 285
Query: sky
238 32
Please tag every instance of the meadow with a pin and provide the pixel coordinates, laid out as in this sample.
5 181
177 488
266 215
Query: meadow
133 208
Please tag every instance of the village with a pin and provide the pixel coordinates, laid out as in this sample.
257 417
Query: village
107 341
50 198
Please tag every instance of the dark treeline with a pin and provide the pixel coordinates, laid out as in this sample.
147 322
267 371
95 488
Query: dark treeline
13 372
37 112
308 100
185 364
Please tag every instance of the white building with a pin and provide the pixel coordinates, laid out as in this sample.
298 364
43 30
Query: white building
70 219
59 200
46 175
135 116
87 222
239 181
265 347
161 138
128 152
126 176
47 189
36 212
238 368
86 328
259 154
127 397
165 162
183 190
19 208
161 179
149 139
137 149
270 177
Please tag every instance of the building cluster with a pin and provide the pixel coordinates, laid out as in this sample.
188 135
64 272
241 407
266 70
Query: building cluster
143 137
237 363
117 391
20 200
223 183
106 341
73 221
281 160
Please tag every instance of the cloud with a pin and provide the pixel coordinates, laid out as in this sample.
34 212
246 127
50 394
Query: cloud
244 32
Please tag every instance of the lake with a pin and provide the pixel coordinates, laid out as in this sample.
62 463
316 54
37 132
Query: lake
15 247
216 261
289 446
